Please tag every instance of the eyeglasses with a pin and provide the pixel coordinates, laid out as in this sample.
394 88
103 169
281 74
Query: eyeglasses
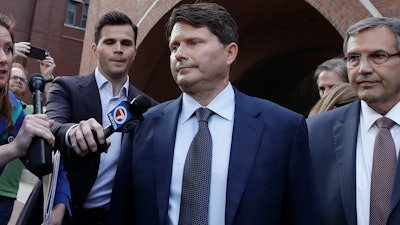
376 58
21 79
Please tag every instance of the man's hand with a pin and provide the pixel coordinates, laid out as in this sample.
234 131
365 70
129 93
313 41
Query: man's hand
82 139
47 67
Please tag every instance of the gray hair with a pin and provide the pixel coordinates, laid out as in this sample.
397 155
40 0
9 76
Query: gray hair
370 23
337 65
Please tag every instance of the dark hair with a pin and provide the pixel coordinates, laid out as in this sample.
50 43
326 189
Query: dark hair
337 65
5 104
370 23
211 15
113 18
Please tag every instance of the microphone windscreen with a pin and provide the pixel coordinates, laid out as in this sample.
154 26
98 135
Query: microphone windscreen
142 103
36 82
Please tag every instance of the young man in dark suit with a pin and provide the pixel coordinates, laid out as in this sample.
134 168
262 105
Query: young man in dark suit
80 104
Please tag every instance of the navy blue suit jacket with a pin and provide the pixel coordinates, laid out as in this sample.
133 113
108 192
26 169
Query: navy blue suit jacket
270 178
333 142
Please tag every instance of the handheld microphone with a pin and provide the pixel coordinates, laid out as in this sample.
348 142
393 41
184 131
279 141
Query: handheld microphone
124 117
38 159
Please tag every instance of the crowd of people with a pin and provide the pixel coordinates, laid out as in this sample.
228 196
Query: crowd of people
16 129
18 85
214 155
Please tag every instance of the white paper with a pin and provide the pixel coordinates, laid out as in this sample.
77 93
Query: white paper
52 189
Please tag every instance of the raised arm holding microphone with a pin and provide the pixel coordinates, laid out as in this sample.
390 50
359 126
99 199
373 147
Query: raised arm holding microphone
80 105
16 129
19 86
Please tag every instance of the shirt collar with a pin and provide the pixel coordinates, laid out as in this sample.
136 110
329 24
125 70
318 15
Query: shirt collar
102 82
370 115
223 104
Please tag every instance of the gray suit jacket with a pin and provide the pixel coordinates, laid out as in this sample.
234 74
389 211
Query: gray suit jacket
333 141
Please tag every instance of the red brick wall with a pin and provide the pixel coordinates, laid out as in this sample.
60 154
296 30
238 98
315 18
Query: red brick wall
42 23
343 13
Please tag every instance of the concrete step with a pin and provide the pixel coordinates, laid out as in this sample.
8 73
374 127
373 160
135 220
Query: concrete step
26 184
28 177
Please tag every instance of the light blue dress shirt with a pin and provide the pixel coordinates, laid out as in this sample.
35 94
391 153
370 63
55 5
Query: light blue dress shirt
221 127
99 195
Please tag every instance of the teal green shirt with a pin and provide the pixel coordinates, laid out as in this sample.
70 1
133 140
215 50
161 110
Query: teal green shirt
28 109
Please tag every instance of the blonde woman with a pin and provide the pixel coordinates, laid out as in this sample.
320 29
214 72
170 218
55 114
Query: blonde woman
340 94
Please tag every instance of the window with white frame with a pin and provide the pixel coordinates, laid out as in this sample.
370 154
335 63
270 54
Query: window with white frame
77 12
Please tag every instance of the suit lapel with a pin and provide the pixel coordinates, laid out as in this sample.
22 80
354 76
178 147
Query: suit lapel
345 141
245 140
240 162
164 152
131 94
91 98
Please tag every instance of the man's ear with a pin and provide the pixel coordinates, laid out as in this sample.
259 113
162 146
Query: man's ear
232 51
94 49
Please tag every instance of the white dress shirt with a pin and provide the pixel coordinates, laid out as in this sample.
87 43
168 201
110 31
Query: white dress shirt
221 126
364 154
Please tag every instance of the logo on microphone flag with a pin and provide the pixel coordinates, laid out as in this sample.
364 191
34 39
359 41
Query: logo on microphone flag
118 116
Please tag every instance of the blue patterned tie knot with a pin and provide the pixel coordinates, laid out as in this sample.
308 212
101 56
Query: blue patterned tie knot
202 114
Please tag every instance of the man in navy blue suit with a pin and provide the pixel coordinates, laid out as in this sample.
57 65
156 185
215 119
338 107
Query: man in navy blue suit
342 140
261 170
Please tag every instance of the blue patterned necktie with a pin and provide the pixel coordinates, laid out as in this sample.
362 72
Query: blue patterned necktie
197 175
383 171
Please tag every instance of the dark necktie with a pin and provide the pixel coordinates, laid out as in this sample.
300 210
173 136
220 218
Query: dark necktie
383 171
197 175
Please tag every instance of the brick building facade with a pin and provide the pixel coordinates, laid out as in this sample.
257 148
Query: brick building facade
281 41
44 24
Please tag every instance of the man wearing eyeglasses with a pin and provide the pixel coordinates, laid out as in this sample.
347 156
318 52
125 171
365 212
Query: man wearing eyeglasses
19 85
354 186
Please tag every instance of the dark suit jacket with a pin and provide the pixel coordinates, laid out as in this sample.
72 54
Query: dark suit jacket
70 100
269 180
333 141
